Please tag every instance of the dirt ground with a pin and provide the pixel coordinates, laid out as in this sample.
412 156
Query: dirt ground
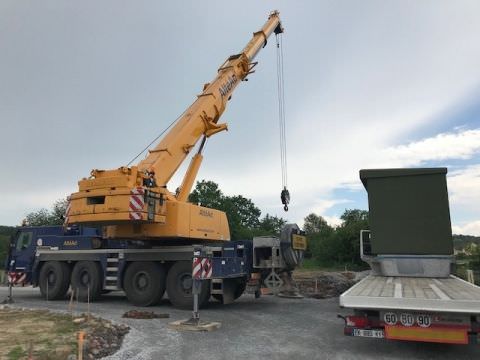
321 284
40 334
269 327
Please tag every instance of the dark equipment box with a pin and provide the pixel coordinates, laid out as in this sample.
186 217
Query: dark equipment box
408 211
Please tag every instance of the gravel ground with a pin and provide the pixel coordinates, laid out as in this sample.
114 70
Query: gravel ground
269 327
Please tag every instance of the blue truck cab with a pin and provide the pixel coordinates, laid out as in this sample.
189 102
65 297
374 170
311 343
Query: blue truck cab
20 262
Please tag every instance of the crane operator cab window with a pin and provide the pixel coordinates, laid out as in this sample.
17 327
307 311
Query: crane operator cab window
150 180
24 240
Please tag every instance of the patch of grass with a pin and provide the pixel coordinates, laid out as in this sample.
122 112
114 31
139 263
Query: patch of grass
16 353
50 336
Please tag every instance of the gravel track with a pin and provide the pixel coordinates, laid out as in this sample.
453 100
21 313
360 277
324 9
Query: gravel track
269 327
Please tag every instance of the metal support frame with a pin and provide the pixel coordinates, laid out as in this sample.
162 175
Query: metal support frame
9 298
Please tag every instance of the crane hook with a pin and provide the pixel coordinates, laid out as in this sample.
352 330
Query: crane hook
285 197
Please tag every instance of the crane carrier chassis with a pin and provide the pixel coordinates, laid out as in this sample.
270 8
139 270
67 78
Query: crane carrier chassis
56 260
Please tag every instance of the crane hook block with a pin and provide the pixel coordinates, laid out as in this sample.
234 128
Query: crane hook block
285 196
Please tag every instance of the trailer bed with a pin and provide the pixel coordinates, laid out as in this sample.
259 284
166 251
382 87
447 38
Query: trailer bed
450 294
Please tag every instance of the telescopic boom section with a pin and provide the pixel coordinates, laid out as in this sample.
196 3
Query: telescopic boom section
134 202
202 116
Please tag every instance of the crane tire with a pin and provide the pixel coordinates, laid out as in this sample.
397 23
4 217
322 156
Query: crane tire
239 290
179 286
87 280
144 283
57 275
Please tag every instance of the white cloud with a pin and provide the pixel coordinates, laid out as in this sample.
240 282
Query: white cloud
464 186
457 145
18 204
471 228
333 221
321 206
464 195
351 93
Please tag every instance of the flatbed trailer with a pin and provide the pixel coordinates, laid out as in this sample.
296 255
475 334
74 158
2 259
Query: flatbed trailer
445 310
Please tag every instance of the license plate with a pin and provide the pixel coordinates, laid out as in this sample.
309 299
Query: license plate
368 333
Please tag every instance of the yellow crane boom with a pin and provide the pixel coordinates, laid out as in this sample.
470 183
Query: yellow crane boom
134 201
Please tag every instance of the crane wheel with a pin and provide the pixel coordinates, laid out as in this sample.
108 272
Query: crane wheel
179 286
54 280
144 283
240 286
87 279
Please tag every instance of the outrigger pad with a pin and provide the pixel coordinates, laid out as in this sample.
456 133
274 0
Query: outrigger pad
189 325
290 295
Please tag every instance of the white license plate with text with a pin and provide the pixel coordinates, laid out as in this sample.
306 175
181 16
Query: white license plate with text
369 333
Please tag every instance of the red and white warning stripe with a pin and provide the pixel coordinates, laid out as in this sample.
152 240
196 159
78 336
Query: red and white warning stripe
197 268
16 277
206 268
137 203
67 213
201 268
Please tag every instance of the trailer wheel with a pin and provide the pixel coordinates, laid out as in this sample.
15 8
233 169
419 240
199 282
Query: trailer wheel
54 280
144 283
179 286
87 280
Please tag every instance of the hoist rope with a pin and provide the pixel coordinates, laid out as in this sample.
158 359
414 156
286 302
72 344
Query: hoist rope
156 138
281 110
285 194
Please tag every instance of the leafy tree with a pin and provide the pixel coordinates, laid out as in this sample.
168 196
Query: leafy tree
354 216
58 211
271 225
246 213
340 245
314 224
5 233
318 232
242 214
43 217
207 193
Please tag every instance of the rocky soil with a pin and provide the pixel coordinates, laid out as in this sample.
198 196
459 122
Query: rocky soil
41 334
322 285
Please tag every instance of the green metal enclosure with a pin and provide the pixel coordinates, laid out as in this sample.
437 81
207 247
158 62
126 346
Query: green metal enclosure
408 211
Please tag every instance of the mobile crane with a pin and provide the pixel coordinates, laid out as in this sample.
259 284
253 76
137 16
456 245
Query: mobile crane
133 202
125 231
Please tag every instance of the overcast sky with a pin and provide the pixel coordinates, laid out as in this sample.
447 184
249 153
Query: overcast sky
87 84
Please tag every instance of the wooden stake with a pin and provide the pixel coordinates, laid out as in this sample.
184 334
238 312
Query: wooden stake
81 337
70 304
88 303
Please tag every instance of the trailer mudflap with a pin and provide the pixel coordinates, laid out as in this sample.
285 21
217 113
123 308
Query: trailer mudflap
446 335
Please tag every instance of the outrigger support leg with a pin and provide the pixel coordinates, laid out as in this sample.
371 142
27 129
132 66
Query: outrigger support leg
9 298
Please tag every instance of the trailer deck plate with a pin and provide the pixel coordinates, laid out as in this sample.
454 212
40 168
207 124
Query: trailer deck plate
441 295
437 334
